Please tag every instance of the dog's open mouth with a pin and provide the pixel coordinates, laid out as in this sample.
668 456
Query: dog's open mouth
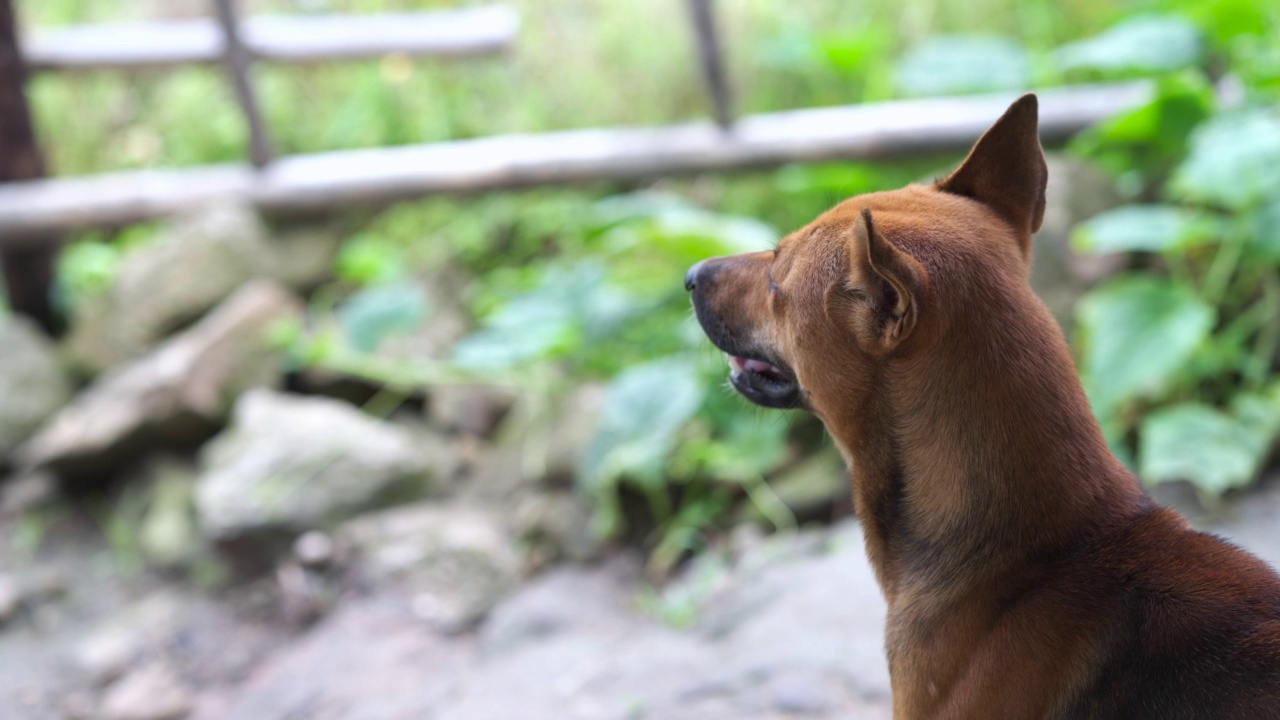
764 383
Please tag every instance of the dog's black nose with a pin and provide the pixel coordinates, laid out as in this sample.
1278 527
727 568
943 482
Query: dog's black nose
691 277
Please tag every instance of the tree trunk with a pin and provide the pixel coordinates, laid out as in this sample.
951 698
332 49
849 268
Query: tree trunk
28 267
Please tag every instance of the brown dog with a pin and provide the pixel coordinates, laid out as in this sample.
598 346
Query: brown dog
1027 574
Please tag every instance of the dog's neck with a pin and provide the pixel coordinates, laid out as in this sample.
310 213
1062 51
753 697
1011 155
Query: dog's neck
981 453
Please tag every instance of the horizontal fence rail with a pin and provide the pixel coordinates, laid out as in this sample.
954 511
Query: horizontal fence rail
327 181
125 46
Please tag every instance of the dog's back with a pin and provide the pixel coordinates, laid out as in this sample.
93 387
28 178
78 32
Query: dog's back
1189 626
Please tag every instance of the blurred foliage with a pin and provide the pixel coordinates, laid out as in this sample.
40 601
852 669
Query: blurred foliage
1178 355
584 285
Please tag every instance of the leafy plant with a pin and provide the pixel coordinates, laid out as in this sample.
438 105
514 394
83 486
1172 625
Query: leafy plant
1179 354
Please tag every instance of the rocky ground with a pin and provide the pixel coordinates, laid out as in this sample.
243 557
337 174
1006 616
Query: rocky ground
784 626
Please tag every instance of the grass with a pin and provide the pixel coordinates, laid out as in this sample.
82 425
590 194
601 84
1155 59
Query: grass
578 63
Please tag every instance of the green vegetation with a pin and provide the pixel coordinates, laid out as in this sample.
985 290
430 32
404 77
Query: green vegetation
1179 353
582 285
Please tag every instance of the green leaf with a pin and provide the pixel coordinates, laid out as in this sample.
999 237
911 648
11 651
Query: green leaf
752 446
568 305
1146 44
1148 228
643 411
1150 138
1137 332
1266 231
367 259
379 312
954 65
1234 161
1200 444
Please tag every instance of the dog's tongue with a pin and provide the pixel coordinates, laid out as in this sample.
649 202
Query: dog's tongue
740 364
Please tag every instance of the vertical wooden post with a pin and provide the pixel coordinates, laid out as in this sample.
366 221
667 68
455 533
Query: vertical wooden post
236 58
709 55
29 266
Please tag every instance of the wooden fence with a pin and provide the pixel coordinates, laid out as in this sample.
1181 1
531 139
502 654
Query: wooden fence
35 211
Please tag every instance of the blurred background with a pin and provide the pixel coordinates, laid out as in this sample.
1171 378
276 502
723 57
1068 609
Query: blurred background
347 371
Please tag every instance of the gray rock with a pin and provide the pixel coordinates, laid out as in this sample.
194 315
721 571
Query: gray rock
456 559
314 549
25 492
177 394
571 430
106 654
32 383
1059 274
556 524
10 599
201 259
151 692
802 693
469 409
291 463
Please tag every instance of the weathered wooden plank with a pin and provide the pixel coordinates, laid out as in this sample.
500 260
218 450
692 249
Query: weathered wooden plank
323 182
301 38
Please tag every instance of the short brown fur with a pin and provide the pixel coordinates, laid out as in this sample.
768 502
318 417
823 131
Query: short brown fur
1027 574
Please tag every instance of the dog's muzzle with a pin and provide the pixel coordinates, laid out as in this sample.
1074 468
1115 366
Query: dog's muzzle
752 372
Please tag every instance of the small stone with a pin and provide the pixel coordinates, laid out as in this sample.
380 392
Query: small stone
470 409
10 599
26 492
314 549
802 694
78 705
32 382
105 656
151 692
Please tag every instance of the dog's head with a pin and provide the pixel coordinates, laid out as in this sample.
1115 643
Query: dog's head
880 278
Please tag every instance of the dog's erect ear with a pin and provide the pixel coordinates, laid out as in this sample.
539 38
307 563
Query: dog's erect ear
1006 170
885 285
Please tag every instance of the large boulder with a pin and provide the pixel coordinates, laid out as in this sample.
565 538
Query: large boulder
32 384
201 259
177 395
289 463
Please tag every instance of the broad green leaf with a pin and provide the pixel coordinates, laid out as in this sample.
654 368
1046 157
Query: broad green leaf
643 411
1149 228
1223 20
569 306
1146 44
528 327
1137 332
376 313
1266 231
1200 444
1234 160
954 65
